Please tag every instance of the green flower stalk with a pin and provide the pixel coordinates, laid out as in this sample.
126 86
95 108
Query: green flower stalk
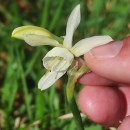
60 59
73 75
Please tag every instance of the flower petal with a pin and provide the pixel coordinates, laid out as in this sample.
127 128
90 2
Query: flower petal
58 59
23 31
72 24
49 79
87 44
37 40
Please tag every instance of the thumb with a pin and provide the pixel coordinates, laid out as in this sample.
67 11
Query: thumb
111 61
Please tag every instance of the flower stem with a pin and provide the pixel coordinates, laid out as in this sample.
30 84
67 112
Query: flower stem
72 102
73 76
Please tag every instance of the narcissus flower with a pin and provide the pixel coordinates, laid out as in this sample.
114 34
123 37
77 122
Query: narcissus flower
58 60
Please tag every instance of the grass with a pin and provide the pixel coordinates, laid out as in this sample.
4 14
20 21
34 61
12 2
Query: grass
22 105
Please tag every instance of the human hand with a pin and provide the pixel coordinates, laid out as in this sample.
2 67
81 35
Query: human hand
106 96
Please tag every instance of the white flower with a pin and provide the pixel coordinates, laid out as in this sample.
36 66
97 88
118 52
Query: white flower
58 60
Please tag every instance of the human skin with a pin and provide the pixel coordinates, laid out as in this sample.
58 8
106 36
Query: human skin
105 97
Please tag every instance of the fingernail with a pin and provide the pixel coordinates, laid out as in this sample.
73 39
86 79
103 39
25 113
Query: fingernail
107 51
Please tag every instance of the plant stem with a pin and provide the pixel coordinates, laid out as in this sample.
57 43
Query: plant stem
45 13
72 103
73 76
25 90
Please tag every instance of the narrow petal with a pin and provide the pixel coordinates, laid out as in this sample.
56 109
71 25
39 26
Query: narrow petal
23 31
49 79
72 24
87 44
37 40
58 59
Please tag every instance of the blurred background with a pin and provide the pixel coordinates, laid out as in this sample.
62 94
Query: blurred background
22 105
